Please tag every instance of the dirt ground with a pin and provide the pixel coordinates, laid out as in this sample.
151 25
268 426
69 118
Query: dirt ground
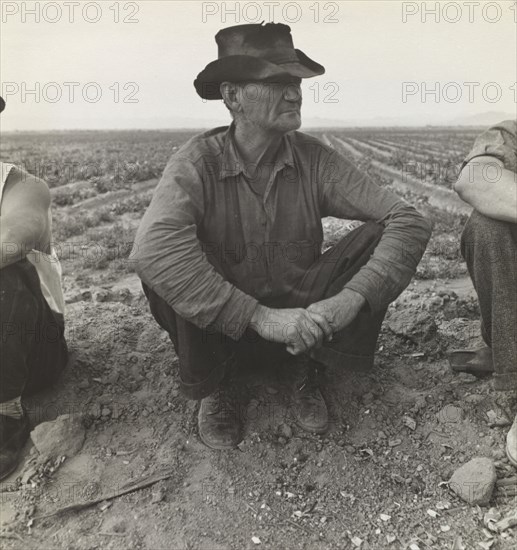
377 479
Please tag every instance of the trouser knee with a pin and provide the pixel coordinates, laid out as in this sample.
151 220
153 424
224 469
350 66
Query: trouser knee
485 238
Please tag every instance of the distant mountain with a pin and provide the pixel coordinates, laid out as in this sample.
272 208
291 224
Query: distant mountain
483 119
480 119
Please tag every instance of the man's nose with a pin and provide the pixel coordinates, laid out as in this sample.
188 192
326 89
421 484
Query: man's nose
292 92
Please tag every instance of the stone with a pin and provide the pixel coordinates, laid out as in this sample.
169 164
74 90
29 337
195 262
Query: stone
63 436
102 295
78 296
474 398
464 378
474 481
417 328
284 430
450 414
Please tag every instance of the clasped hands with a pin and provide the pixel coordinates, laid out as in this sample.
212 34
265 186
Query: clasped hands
304 329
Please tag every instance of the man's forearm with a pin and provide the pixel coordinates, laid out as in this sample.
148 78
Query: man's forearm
351 299
339 310
489 188
393 263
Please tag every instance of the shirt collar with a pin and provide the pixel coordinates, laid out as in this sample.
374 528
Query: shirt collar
232 163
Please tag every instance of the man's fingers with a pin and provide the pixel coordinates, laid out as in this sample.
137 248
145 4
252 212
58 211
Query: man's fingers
322 322
293 350
311 332
295 341
304 334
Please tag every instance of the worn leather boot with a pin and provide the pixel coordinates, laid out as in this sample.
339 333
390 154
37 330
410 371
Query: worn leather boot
307 403
218 422
14 433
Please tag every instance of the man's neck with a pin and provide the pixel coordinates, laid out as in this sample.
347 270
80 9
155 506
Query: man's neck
256 145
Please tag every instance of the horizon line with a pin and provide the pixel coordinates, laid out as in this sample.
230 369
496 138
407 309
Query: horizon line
204 128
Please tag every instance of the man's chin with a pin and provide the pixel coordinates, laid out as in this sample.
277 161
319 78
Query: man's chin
283 124
292 123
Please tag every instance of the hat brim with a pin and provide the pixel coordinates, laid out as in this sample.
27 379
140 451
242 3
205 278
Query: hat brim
241 68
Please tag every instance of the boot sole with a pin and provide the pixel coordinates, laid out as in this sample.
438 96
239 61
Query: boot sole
215 447
306 428
311 430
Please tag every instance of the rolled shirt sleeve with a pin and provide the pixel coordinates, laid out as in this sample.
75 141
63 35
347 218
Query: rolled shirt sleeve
169 257
350 194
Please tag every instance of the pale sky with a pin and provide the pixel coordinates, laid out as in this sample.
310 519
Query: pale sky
373 51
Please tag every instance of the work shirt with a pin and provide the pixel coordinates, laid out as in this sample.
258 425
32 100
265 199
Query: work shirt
499 141
47 265
206 211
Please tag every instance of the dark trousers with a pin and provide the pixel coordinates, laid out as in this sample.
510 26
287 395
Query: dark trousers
33 350
490 250
206 356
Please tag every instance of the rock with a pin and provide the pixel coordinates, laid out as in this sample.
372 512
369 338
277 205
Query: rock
64 436
83 385
284 430
497 417
450 414
158 495
418 328
78 296
498 454
465 378
102 295
112 377
436 301
507 522
474 398
28 473
474 481
123 295
368 398
409 422
104 399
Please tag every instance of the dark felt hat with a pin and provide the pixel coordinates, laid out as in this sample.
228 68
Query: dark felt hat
2 104
254 52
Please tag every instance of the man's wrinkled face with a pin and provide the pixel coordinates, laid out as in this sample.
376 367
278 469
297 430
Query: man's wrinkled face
273 106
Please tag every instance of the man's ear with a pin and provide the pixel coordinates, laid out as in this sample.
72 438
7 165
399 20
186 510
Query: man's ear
229 92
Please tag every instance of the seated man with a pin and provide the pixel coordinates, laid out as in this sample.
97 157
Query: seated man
32 347
229 250
488 182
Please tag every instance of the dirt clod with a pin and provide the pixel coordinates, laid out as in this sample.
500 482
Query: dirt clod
61 437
